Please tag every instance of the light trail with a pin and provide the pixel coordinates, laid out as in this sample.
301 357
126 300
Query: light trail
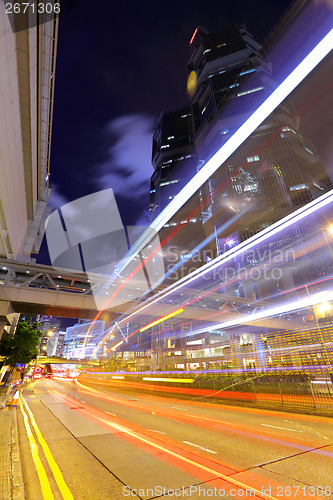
271 312
135 434
168 316
248 244
318 53
300 443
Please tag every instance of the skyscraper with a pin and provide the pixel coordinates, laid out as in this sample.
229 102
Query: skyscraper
49 326
274 171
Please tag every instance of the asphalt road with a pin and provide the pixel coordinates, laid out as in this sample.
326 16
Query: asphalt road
111 444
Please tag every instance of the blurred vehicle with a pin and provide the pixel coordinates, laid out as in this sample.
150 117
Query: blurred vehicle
48 375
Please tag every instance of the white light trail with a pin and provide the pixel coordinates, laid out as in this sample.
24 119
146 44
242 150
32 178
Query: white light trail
265 109
254 240
319 52
313 300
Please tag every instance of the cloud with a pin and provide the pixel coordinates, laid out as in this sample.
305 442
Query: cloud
127 169
57 199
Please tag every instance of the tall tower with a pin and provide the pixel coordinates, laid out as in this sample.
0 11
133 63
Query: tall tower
276 169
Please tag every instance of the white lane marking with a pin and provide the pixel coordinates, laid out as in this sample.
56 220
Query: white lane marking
113 414
153 430
284 428
309 429
176 408
210 419
201 447
83 401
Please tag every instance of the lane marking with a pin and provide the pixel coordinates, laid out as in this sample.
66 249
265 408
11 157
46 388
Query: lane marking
44 482
284 428
310 429
122 428
113 414
64 490
176 408
83 401
201 447
153 430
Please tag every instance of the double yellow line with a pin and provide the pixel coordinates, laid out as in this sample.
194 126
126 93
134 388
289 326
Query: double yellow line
43 479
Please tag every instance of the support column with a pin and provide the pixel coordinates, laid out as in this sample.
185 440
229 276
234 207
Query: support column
3 323
5 309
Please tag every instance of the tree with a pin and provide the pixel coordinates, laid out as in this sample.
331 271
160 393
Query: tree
22 347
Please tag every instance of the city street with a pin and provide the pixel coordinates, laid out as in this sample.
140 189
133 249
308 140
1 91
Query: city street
110 443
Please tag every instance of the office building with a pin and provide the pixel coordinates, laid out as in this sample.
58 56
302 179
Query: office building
276 169
79 344
49 326
274 172
55 345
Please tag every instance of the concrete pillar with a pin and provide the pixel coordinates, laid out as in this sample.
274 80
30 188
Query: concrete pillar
3 323
248 290
5 309
288 279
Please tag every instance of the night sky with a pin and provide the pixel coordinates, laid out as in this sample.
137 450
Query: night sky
118 66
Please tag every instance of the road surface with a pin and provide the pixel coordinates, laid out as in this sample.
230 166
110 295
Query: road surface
97 442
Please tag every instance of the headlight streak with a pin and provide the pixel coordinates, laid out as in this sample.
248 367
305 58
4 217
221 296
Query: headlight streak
275 228
265 109
162 379
204 243
204 421
153 442
251 242
168 316
273 311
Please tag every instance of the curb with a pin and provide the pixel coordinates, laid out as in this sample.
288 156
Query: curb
3 398
15 464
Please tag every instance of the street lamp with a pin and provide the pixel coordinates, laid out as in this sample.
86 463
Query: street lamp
324 308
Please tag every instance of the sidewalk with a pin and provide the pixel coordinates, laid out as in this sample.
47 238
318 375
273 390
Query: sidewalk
11 481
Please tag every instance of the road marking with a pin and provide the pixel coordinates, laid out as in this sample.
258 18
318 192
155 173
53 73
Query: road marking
176 408
64 490
44 482
135 435
201 447
113 414
310 429
284 428
83 401
153 430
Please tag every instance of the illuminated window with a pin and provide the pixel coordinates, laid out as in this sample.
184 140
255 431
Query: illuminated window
252 158
169 182
299 186
246 72
249 91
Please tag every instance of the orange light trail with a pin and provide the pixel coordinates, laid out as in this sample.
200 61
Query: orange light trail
152 443
193 36
168 316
